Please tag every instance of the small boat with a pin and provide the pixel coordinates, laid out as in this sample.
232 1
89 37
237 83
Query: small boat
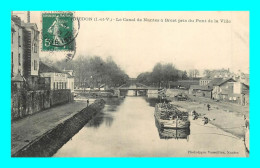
170 116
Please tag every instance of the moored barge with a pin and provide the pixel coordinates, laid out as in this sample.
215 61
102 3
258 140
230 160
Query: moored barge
170 116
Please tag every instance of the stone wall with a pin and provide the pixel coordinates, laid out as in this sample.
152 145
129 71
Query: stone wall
48 144
60 96
24 103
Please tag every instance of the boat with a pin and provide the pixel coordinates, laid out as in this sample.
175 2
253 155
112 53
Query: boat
172 133
170 116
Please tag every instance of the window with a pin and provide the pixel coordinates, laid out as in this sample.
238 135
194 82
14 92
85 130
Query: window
53 85
12 37
12 64
57 85
35 48
35 65
19 59
65 85
19 41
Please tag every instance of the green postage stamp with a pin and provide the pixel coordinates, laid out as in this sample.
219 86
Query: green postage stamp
57 31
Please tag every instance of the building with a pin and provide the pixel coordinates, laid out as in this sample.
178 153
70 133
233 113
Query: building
183 84
17 50
70 80
31 54
222 88
240 93
24 53
205 81
201 91
58 79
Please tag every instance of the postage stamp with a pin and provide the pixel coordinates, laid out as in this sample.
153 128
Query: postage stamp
57 31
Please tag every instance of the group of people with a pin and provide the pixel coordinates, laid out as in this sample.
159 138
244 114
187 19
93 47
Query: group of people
196 115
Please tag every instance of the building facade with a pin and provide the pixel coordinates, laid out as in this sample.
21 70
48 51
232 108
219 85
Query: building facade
205 81
17 50
24 53
58 79
70 80
31 53
223 89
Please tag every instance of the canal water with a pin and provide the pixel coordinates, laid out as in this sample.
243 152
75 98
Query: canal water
127 128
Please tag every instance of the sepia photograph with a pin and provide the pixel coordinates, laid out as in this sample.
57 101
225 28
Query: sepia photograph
130 84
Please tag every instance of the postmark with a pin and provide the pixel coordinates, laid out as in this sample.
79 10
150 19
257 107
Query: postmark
57 31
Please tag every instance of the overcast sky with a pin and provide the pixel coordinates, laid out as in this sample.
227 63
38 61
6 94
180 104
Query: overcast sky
138 46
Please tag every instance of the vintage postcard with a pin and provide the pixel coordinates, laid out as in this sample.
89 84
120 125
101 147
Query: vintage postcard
130 84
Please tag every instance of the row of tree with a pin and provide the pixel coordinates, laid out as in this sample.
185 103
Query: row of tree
161 75
94 71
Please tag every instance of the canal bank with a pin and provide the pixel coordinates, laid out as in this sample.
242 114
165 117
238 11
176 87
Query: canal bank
225 116
53 129
128 129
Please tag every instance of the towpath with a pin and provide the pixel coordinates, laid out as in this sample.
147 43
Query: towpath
29 128
227 116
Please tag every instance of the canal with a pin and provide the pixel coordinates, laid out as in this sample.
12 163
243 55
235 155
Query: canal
127 128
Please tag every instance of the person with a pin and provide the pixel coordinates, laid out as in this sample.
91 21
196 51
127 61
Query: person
87 103
206 120
195 115
208 107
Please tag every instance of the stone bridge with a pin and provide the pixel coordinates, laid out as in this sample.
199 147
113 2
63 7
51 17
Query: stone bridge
138 88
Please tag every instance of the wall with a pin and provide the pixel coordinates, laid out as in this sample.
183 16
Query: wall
57 79
24 103
32 41
60 96
204 82
48 144
70 84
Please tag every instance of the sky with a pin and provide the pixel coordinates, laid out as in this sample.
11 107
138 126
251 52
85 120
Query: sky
137 45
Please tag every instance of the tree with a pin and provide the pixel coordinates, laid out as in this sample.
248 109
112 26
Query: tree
162 74
184 75
94 71
207 73
193 73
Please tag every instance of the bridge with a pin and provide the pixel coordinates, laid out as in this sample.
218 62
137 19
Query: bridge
137 88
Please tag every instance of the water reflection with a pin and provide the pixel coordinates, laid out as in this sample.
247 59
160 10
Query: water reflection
106 116
152 101
171 133
128 129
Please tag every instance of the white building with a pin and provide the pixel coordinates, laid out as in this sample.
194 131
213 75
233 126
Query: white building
70 80
58 79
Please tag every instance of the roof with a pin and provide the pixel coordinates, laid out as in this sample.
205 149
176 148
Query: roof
224 81
206 78
17 78
199 87
69 73
215 81
48 68
184 83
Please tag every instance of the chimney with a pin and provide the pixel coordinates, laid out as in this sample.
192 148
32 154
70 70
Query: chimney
28 17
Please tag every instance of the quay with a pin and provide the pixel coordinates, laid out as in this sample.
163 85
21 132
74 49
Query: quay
36 135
